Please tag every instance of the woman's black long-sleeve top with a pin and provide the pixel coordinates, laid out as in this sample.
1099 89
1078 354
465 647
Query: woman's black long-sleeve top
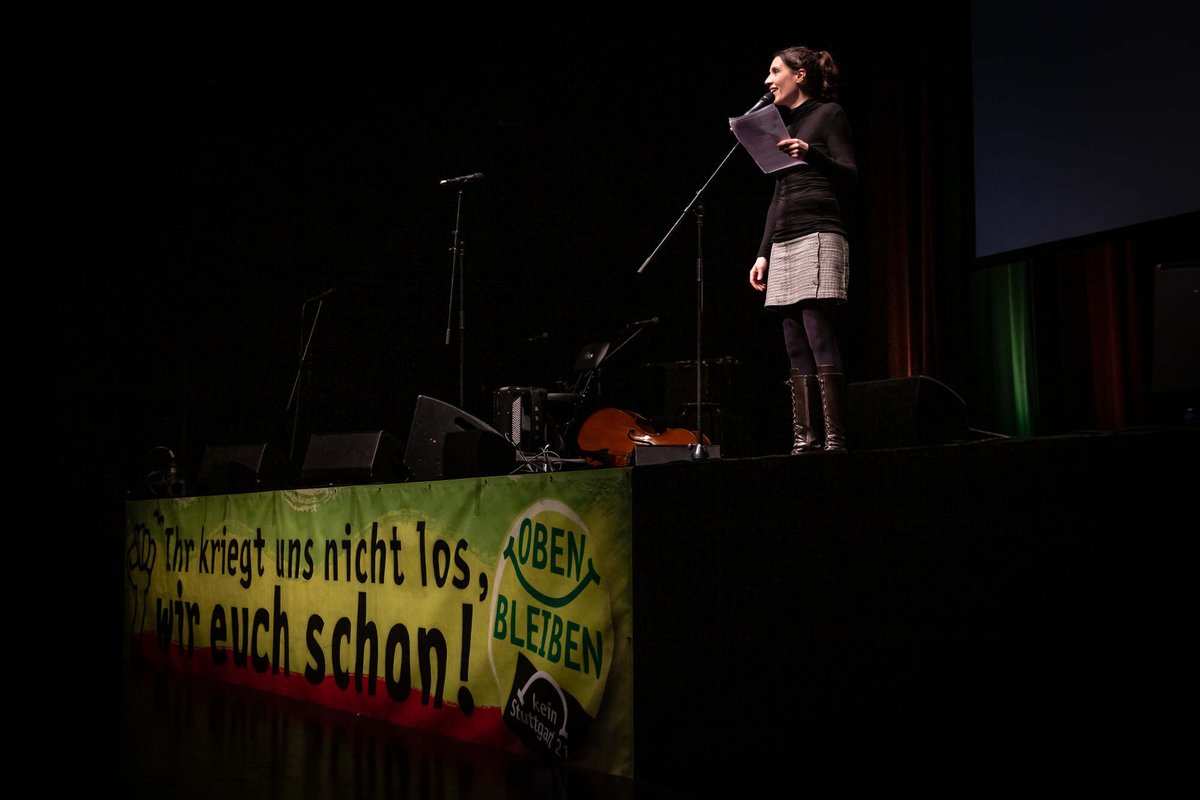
806 198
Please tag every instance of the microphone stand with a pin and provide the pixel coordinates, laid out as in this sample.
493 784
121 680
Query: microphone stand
457 271
305 343
700 451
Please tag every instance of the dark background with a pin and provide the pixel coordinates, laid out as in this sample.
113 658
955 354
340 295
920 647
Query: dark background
226 192
213 187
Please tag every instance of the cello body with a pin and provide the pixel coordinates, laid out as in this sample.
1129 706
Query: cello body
608 436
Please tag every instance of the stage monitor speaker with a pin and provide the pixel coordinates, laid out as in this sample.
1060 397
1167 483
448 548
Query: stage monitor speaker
350 458
647 454
469 454
904 412
433 422
226 469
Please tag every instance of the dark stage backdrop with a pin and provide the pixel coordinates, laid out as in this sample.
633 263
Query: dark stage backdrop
221 190
209 191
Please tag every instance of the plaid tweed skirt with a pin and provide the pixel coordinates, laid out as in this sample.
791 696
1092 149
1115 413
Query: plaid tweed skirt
813 267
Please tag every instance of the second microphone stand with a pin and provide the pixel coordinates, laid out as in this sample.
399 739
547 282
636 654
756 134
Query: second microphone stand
700 451
306 338
458 272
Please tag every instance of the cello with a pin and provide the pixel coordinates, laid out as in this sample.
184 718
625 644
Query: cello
608 436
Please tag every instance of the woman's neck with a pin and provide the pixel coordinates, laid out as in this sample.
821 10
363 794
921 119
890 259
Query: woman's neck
801 99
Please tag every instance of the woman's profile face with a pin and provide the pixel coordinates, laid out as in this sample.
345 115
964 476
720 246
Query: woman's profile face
784 84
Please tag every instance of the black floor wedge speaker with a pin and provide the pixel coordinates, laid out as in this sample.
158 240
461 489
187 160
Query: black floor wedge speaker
646 455
904 412
447 442
226 469
470 454
351 458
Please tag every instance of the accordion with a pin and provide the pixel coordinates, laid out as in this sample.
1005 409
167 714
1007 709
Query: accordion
519 413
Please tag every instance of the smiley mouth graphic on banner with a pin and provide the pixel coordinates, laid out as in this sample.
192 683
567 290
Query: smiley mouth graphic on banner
551 627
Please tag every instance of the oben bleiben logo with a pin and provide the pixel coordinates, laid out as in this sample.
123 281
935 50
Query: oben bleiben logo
551 641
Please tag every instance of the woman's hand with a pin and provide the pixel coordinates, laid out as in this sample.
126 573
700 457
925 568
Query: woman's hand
796 148
758 274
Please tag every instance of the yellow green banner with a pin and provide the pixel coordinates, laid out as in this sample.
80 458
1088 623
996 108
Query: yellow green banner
494 610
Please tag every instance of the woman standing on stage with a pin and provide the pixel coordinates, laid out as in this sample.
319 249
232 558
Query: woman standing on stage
802 263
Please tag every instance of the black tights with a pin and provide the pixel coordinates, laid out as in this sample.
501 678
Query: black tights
810 337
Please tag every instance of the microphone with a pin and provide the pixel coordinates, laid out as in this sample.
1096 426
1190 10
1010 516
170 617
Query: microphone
640 322
323 294
474 176
763 102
